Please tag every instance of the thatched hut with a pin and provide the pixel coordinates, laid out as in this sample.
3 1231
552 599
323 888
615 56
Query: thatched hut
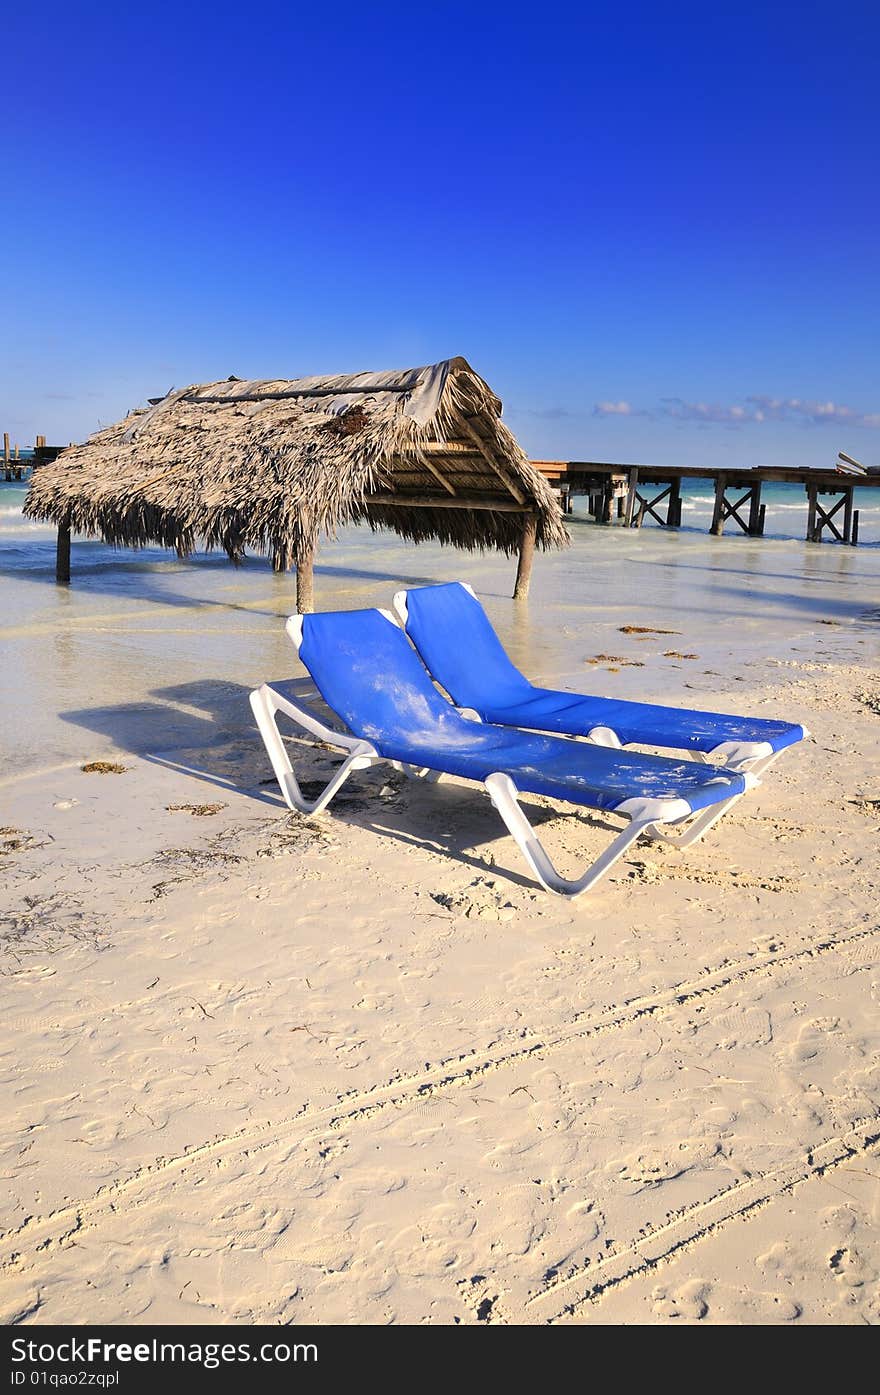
273 466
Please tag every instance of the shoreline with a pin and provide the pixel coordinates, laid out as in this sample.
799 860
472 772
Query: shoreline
116 657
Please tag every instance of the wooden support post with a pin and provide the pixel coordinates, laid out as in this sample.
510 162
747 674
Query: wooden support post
755 511
631 496
607 499
62 554
717 527
621 505
848 515
526 557
825 516
762 518
811 513
673 509
5 447
650 506
305 581
855 528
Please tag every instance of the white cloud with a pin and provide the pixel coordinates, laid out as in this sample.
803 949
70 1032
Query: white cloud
557 413
760 407
713 412
750 411
814 413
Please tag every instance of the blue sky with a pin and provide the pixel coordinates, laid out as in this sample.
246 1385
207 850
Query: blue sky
652 228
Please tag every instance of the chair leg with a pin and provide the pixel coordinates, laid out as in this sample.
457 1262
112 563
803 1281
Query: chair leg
418 772
360 755
709 817
695 830
503 794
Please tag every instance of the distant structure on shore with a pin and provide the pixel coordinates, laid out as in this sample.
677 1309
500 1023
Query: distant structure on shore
17 462
274 465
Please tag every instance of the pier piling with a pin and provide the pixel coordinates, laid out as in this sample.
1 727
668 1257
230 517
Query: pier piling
819 516
717 527
631 496
671 494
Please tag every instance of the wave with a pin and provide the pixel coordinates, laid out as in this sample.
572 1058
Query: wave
773 506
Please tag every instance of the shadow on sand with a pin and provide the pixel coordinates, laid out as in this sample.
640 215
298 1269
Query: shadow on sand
205 730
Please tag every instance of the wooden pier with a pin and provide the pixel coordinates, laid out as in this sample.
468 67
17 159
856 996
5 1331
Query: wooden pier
636 492
15 465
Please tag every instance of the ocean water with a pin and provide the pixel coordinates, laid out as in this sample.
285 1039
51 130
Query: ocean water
786 506
144 653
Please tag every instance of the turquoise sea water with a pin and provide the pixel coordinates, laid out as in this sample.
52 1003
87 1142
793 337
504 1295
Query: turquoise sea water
786 512
786 506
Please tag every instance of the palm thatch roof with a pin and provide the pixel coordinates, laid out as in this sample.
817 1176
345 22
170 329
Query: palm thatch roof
271 466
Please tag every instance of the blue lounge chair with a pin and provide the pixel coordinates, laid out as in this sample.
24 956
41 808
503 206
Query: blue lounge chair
454 637
370 676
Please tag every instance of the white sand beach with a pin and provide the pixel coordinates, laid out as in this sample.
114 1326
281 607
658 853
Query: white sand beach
257 1067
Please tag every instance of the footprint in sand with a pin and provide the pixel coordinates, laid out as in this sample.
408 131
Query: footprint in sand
866 952
483 899
689 1302
589 1221
651 1167
743 1027
480 1300
849 1267
812 1039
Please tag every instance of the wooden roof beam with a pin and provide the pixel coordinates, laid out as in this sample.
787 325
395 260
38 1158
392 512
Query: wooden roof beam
451 448
487 455
430 501
438 474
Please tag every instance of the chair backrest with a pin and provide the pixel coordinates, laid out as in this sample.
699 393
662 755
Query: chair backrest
368 673
453 634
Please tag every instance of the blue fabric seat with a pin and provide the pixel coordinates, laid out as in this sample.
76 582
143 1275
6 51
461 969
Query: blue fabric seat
453 635
370 676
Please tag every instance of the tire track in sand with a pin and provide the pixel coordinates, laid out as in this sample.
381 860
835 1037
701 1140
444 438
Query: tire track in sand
38 1233
567 1295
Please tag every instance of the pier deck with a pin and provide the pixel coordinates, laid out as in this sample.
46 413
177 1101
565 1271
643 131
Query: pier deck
637 492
